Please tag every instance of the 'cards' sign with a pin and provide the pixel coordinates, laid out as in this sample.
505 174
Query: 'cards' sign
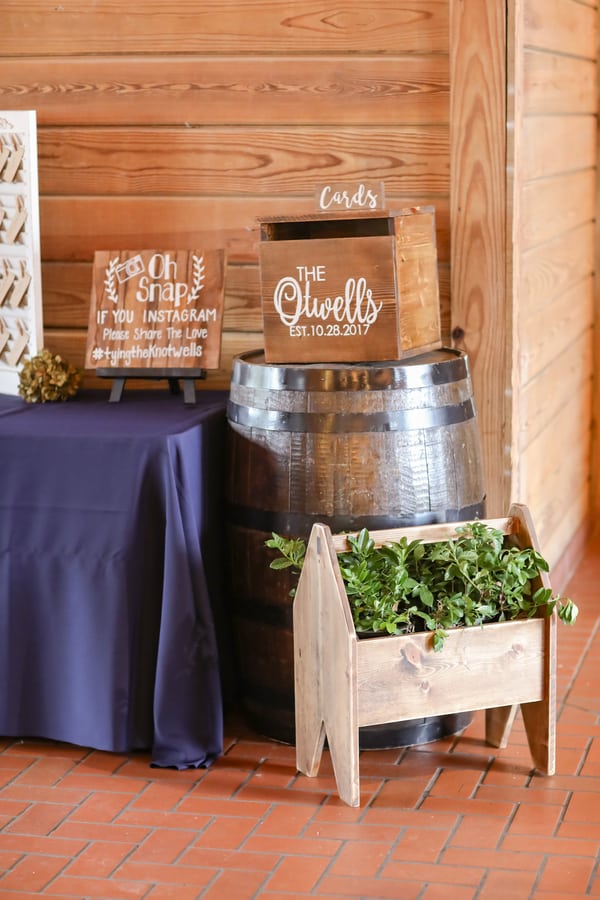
156 309
344 195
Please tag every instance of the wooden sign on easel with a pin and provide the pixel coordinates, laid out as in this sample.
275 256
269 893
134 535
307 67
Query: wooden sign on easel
156 313
21 330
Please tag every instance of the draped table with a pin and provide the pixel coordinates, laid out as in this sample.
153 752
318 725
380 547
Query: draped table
111 548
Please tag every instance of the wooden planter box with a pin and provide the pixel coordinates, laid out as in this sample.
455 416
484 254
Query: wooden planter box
343 683
350 287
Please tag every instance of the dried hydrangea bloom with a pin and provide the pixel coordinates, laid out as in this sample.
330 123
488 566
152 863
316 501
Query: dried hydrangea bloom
47 377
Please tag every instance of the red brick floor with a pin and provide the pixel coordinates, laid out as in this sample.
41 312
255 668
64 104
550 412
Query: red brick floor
452 819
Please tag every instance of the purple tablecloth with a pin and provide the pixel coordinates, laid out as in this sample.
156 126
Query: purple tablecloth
110 574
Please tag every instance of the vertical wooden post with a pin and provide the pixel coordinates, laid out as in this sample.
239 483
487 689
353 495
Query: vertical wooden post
480 299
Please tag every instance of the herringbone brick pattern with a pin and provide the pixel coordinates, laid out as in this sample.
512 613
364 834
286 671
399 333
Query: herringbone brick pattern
453 819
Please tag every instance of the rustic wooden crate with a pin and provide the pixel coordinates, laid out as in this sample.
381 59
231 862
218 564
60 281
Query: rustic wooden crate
390 256
342 683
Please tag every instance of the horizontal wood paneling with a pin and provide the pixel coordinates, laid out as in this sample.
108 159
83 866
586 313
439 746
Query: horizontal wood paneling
553 267
566 28
240 161
544 334
559 481
244 27
562 511
555 387
73 227
558 84
555 144
545 462
552 206
229 91
555 233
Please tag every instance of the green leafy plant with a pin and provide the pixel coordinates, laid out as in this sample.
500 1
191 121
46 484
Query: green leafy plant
407 586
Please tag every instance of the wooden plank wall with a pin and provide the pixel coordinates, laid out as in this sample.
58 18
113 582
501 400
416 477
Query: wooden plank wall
165 124
553 237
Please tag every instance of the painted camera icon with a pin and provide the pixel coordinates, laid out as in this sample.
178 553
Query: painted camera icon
129 269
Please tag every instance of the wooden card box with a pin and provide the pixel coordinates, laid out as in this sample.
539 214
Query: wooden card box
350 286
343 683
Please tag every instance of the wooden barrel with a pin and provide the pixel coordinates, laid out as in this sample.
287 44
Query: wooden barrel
377 445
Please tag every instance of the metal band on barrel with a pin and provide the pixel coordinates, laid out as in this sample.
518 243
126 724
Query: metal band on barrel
247 373
300 524
350 423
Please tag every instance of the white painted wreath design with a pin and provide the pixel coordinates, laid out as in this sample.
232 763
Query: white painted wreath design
109 281
199 275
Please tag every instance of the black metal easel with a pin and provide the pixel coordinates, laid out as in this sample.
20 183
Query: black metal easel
172 376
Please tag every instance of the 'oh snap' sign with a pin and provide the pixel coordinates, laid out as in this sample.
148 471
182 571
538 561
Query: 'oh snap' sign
156 309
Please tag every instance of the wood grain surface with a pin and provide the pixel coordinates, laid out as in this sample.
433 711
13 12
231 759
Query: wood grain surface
229 90
244 27
478 220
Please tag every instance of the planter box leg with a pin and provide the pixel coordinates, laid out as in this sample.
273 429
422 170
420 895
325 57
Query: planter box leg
310 740
325 669
344 756
498 723
310 726
539 719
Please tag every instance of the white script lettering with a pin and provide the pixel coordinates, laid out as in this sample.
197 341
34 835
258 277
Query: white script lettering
363 197
355 305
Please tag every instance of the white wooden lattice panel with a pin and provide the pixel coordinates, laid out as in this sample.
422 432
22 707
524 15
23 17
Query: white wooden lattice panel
21 327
